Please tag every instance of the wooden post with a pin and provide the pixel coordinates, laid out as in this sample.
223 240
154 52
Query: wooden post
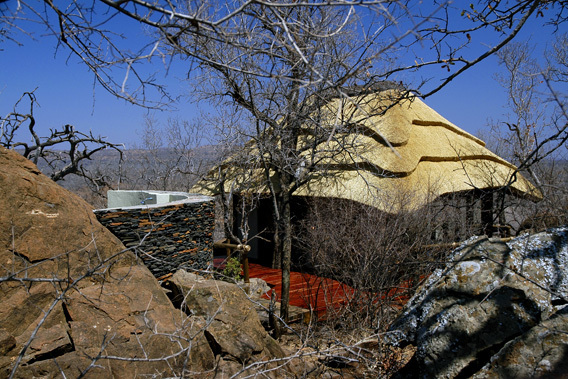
245 263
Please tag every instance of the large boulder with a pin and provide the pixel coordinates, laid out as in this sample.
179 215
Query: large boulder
495 310
233 326
74 301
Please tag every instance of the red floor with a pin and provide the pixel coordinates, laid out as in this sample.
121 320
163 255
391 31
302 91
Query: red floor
306 291
310 291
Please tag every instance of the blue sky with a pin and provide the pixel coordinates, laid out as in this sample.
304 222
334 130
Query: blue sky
67 94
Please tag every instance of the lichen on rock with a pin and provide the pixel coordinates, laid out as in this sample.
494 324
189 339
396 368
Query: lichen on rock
489 294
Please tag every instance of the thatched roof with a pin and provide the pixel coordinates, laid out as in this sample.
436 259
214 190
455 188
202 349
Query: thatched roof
399 159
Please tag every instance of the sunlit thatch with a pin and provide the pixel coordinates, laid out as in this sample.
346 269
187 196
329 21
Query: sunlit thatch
378 154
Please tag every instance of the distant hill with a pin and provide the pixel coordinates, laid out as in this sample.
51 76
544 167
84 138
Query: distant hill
159 169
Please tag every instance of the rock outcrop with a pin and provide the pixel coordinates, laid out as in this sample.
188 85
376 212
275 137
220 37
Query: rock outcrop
496 310
233 326
76 302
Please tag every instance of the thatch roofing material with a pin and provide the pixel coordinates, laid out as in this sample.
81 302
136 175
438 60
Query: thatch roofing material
406 157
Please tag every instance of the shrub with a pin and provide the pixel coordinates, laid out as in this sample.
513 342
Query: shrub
233 269
382 256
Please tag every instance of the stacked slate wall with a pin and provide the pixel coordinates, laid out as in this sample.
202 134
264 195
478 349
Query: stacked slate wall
174 235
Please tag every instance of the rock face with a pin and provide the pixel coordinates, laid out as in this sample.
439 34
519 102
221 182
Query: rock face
233 326
75 302
497 310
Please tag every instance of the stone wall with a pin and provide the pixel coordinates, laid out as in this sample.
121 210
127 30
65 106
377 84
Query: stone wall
173 235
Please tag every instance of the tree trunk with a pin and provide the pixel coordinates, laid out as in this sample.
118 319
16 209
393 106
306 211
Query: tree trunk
286 251
277 250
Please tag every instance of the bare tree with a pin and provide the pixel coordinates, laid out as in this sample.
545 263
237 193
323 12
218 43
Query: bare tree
63 152
286 67
294 138
432 36
283 61
168 157
534 133
376 261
